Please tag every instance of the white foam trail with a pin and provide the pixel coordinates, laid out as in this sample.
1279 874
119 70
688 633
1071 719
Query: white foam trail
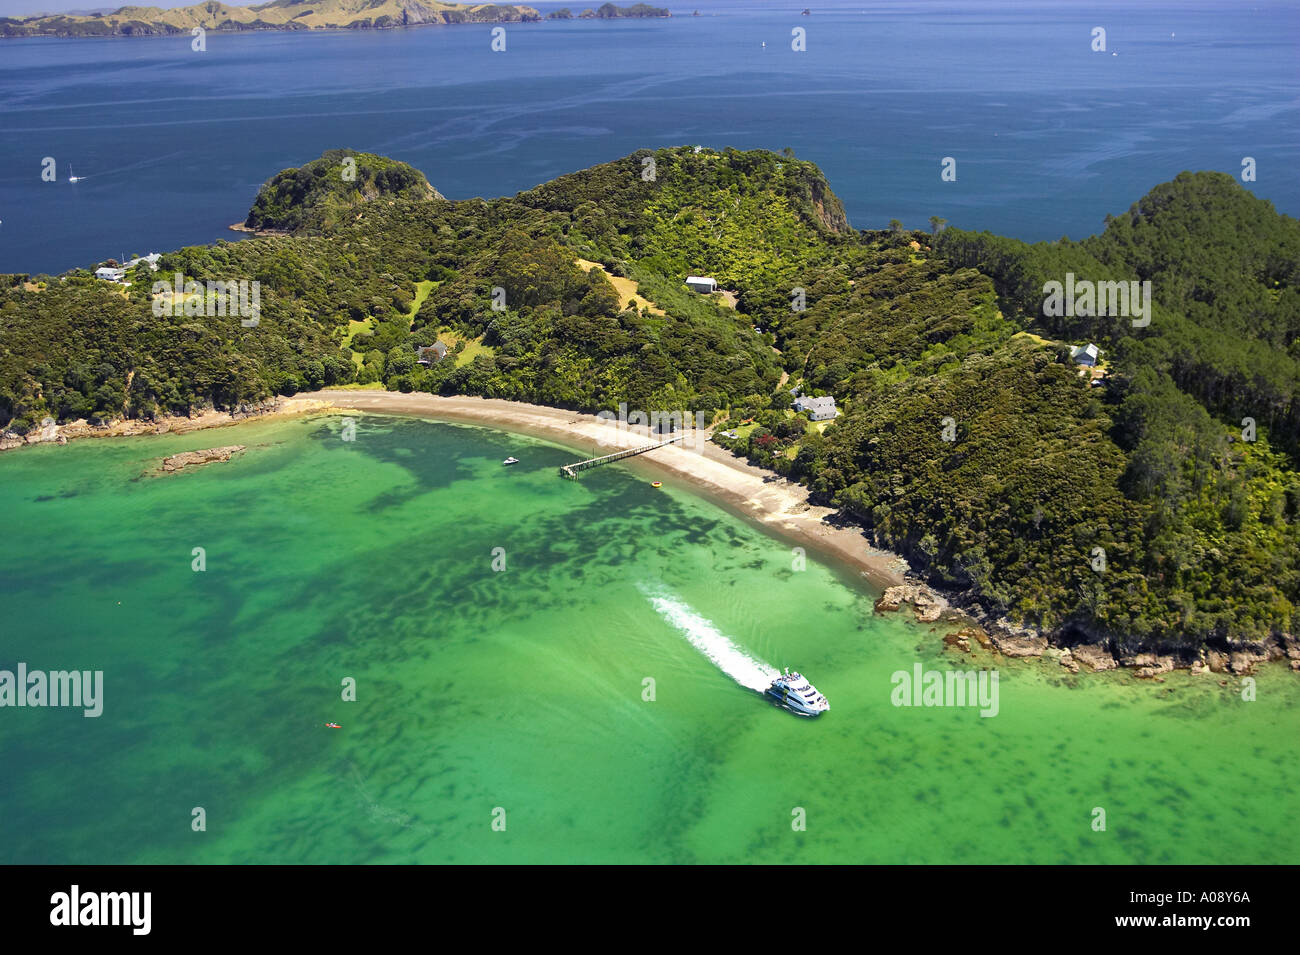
705 637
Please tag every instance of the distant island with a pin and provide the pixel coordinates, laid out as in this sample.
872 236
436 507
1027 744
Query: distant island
297 15
610 12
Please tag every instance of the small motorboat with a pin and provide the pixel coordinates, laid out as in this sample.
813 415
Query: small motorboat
334 726
510 461
796 694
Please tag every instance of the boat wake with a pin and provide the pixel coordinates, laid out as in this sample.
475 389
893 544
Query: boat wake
710 641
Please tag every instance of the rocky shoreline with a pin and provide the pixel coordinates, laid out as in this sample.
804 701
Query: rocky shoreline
1239 658
197 420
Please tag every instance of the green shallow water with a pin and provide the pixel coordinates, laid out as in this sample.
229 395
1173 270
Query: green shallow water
522 689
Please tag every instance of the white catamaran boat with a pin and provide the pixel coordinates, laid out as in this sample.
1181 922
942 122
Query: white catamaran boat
796 694
510 461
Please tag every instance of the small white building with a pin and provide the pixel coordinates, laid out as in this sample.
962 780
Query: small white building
701 284
109 274
152 258
1085 355
431 354
818 409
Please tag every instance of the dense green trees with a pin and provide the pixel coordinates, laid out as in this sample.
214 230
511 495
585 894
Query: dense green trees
1147 509
1200 397
317 193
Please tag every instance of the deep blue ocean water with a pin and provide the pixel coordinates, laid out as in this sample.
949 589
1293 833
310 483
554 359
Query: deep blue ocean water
1049 136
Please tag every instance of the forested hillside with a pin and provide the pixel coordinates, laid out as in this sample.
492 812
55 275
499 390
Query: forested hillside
1202 402
320 193
1131 502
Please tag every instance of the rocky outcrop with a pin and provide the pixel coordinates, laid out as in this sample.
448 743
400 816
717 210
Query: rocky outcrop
1149 666
960 639
1098 652
1028 644
1245 661
1013 640
1242 658
1094 656
12 439
173 424
1291 647
825 206
926 604
189 459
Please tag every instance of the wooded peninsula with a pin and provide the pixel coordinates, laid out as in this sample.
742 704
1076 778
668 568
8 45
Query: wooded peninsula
1089 475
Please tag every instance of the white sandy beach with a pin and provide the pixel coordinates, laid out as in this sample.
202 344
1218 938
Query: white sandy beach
758 495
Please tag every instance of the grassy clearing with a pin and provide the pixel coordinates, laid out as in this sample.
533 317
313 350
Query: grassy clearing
354 329
473 346
422 290
1036 339
626 288
368 324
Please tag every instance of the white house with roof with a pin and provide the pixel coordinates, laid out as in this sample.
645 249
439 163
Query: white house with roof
818 409
152 258
1085 354
702 284
430 354
111 273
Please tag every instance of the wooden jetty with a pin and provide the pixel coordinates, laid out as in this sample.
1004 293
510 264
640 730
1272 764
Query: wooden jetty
570 471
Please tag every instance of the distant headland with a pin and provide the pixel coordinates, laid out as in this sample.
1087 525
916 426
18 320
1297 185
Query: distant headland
214 16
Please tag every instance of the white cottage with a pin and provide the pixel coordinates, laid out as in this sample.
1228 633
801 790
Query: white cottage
1085 355
152 260
431 354
818 409
701 284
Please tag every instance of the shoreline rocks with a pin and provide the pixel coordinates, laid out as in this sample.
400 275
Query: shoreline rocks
1029 644
189 459
1096 656
12 439
1149 666
926 604
197 420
